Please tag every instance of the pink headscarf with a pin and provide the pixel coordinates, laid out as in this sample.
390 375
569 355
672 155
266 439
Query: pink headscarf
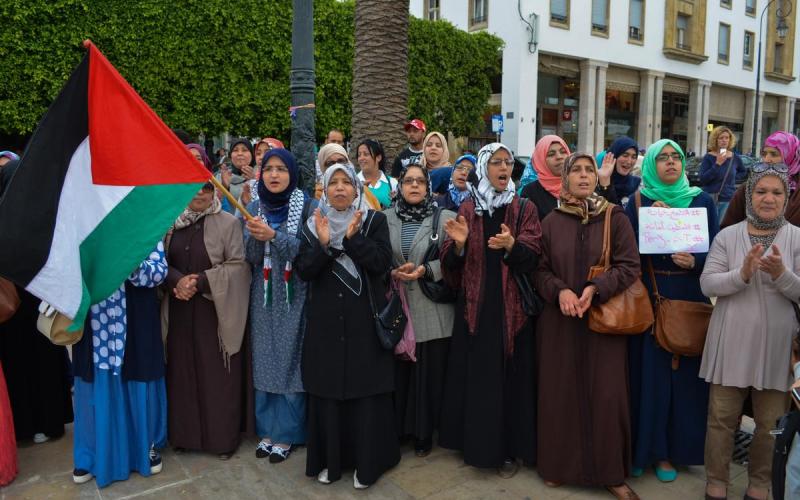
789 146
548 180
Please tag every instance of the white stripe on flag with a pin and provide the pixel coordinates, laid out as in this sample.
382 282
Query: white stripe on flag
81 207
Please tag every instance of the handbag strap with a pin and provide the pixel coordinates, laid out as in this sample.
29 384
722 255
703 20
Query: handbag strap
638 201
727 173
434 238
605 257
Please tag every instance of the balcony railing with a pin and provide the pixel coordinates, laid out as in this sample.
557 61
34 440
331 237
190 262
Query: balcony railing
684 46
634 33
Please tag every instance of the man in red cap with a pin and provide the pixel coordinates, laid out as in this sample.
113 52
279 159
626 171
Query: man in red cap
412 153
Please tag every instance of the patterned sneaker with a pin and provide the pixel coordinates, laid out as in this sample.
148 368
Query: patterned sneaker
80 476
279 454
263 449
155 461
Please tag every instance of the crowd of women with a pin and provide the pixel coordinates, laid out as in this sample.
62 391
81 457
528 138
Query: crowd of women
269 319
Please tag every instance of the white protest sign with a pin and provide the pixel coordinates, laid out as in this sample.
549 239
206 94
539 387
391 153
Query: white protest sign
670 230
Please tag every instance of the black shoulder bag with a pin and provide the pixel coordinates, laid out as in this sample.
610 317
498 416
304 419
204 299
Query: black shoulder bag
390 323
436 291
531 303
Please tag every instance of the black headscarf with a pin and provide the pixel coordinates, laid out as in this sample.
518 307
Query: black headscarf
6 173
249 146
407 212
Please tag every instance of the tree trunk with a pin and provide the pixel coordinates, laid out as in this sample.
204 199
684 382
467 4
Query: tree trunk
380 74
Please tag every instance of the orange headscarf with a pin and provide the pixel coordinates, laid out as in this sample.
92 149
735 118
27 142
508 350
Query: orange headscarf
548 180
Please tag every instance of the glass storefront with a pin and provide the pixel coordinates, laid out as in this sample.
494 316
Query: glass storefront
621 114
557 108
675 117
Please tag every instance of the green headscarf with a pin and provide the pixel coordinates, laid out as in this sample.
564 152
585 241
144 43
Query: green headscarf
677 195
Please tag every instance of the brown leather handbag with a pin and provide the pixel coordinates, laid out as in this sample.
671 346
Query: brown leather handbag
9 300
681 325
627 313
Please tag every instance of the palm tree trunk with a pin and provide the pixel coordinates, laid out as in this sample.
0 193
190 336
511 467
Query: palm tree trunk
380 73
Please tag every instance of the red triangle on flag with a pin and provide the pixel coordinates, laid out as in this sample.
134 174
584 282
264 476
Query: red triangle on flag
130 145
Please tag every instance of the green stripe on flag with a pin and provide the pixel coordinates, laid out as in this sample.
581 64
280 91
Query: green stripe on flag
125 237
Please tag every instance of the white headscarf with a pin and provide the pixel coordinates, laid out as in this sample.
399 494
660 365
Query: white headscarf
486 197
339 221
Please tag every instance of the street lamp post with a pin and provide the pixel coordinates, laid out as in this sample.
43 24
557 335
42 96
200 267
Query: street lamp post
302 85
783 10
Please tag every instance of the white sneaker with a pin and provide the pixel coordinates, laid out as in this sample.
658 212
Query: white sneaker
40 438
357 485
322 477
80 476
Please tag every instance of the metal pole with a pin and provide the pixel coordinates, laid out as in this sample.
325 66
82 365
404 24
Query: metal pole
758 80
302 85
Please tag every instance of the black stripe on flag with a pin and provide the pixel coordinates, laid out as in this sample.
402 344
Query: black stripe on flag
29 206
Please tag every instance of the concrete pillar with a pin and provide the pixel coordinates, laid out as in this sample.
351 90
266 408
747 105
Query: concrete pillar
658 97
644 129
792 114
698 115
586 108
749 111
760 122
704 122
600 109
785 112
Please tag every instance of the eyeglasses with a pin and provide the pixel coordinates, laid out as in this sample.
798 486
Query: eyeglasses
332 162
764 166
666 156
463 168
497 162
280 169
408 181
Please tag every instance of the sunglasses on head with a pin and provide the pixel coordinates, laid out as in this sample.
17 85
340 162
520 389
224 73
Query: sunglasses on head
763 167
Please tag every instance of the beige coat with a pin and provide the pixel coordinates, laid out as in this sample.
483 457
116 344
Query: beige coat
431 320
750 335
228 278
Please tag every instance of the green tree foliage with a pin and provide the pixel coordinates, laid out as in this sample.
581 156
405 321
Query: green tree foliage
212 65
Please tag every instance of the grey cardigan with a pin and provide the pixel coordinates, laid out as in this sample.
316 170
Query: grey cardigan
750 334
431 321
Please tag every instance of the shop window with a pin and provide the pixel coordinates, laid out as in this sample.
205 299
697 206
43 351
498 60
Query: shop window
621 114
724 43
636 20
750 7
682 32
433 10
600 17
559 13
749 38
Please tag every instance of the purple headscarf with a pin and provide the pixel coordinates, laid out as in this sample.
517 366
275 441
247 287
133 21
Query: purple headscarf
9 154
203 154
789 146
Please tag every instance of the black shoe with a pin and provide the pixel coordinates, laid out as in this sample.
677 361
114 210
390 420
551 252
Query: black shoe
422 447
279 454
80 476
263 449
155 461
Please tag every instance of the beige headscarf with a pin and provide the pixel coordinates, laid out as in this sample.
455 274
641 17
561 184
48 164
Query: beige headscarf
327 151
583 208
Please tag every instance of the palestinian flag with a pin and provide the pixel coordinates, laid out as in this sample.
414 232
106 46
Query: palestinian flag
100 183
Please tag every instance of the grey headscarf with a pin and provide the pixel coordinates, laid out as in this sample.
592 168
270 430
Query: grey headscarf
338 222
754 219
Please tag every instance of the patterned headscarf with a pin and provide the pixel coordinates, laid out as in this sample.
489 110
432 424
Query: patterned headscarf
485 196
754 219
789 146
276 205
585 208
189 216
457 195
549 181
676 195
408 212
339 221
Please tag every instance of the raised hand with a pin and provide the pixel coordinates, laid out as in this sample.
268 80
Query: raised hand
606 169
355 224
751 262
248 172
458 231
569 303
503 240
246 196
259 229
323 230
772 264
225 176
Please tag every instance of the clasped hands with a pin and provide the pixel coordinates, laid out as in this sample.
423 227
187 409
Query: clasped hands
458 231
574 306
755 260
186 287
323 227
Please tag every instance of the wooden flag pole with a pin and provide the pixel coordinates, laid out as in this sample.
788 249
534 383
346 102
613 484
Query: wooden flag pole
230 197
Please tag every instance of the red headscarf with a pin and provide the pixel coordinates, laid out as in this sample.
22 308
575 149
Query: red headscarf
548 180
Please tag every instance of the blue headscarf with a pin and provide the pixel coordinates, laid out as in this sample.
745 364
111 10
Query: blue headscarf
624 185
276 205
458 196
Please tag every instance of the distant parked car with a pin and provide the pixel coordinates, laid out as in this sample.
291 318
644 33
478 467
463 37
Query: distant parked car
693 169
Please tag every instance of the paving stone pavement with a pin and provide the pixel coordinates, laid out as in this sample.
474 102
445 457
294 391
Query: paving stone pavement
46 472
